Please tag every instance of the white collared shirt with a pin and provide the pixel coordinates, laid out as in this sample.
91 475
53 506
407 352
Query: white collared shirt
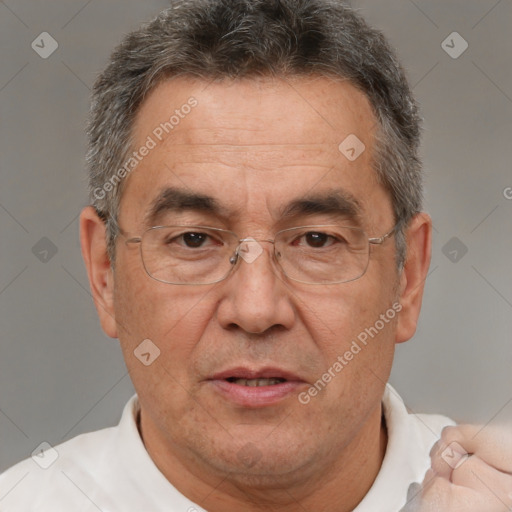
111 471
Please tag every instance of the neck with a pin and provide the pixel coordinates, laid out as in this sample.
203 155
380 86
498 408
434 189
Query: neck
338 484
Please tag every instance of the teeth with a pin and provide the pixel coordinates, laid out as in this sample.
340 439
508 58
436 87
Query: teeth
257 382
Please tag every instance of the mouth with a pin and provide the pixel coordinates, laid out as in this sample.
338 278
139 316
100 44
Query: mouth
254 383
256 388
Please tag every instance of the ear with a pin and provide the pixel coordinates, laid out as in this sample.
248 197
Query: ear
413 276
101 277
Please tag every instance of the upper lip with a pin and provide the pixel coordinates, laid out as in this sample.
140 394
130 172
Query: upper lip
262 373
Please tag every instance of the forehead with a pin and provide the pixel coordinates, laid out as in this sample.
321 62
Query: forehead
321 110
253 142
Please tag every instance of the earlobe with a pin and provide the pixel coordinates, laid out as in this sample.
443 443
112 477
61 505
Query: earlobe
101 278
413 276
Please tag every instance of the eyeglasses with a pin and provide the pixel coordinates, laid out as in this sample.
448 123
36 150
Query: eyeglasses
200 255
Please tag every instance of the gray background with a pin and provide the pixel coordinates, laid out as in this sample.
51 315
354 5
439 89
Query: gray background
60 375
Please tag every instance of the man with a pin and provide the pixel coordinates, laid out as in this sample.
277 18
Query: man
256 243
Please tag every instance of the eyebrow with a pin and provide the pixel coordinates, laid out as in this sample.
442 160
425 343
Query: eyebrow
175 199
339 203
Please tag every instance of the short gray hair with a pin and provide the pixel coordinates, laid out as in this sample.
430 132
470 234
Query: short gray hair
233 39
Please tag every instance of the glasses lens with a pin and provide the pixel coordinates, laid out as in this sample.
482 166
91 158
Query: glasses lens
323 254
187 254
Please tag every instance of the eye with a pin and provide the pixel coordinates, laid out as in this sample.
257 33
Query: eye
191 240
316 240
194 239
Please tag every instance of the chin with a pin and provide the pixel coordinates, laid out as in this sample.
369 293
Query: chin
260 464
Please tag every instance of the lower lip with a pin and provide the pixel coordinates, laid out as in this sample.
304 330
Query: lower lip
256 396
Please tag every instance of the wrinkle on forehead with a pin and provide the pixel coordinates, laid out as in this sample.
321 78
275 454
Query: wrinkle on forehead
251 111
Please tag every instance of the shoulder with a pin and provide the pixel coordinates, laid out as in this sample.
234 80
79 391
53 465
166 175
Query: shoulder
410 438
70 474
426 426
47 476
411 435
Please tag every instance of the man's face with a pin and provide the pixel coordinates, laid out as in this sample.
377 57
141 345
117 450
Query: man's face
256 147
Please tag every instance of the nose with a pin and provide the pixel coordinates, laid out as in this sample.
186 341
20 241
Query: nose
255 298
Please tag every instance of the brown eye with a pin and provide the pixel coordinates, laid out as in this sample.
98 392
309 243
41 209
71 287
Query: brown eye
317 240
194 240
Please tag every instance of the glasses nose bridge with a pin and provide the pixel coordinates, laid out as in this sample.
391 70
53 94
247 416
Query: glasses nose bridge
250 249
258 240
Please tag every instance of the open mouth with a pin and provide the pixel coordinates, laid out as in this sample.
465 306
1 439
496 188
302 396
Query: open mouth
254 388
256 382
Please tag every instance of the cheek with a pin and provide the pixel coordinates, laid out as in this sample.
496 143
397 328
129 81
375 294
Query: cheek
354 330
357 353
336 315
172 317
173 320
